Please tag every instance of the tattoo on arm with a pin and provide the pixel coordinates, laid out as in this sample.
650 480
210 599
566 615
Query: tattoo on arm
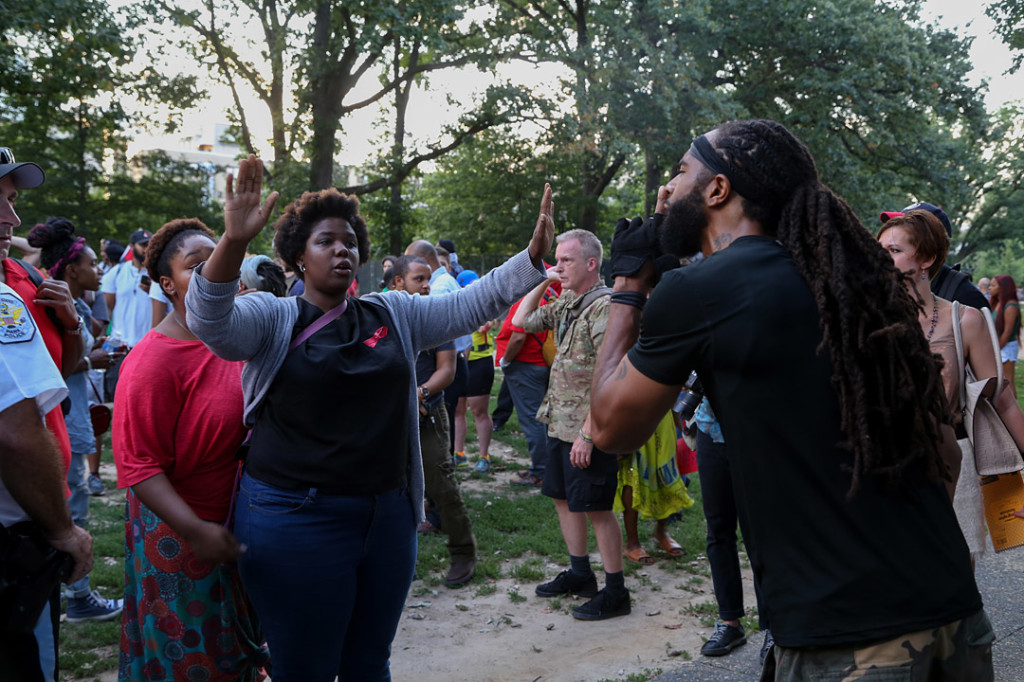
722 241
620 374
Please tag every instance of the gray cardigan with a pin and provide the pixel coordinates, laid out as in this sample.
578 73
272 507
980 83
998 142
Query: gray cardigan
257 328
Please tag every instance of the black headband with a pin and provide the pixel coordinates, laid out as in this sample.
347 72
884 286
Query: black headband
702 150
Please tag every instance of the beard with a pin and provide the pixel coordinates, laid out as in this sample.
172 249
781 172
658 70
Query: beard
682 231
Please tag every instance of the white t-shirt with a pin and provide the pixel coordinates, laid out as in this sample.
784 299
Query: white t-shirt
156 293
133 313
26 373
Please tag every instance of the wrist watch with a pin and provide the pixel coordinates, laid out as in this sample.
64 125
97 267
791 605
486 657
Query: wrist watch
78 328
424 391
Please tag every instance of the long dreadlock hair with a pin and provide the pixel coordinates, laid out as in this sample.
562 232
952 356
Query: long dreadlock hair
890 391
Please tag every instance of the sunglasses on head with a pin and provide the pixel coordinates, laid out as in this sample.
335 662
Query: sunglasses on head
6 155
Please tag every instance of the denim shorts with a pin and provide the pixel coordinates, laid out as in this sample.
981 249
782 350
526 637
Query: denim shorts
1010 351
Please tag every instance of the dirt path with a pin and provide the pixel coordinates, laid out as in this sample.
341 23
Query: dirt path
449 634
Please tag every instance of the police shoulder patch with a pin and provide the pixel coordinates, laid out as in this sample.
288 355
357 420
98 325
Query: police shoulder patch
16 323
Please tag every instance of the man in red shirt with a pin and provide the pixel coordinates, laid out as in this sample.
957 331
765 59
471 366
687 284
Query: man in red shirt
521 358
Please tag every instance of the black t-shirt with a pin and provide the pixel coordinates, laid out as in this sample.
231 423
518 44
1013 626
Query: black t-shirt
963 290
831 571
336 415
426 365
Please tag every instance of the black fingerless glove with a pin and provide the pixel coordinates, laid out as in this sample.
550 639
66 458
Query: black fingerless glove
634 243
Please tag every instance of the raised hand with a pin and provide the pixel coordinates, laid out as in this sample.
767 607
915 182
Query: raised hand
244 218
544 232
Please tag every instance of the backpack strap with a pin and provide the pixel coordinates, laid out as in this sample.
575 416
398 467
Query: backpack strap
950 284
37 279
573 312
33 274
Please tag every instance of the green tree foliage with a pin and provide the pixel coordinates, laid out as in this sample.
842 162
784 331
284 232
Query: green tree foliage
313 63
486 194
1009 18
997 210
1003 258
153 189
881 100
66 69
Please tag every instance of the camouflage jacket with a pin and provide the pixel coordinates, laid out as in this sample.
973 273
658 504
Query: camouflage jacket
567 401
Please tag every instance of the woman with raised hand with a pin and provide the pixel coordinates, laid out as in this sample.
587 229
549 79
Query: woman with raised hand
177 427
918 244
333 487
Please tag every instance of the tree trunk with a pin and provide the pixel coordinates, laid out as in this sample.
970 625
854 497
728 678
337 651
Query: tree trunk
652 179
325 116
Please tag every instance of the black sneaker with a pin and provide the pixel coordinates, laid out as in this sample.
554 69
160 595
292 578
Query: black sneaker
605 605
568 582
725 639
767 645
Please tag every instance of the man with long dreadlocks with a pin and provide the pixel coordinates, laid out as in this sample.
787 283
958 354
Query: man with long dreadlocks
808 347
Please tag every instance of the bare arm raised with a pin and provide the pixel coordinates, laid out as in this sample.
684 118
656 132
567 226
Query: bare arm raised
244 218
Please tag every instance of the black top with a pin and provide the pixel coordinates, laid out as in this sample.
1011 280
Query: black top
954 285
335 416
830 571
426 365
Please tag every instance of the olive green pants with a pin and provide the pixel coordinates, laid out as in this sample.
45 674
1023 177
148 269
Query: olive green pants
442 487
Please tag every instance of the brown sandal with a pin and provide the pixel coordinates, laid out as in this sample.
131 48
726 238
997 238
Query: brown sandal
639 556
671 547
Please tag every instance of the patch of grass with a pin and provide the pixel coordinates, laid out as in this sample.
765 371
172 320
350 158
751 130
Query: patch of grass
749 621
693 584
531 570
517 525
514 596
643 676
706 612
485 590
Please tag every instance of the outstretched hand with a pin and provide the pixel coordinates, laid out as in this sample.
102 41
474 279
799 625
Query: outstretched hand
544 232
243 216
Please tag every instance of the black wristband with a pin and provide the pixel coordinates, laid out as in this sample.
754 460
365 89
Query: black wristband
633 298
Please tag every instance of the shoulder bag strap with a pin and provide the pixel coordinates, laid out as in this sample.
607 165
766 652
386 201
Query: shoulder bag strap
958 339
321 322
994 338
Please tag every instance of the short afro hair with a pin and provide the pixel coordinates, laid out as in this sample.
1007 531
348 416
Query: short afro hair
167 242
296 223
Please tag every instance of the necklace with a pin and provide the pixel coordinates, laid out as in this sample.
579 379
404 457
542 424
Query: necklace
935 317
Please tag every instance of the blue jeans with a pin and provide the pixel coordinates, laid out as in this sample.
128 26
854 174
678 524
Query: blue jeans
528 383
79 504
315 564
